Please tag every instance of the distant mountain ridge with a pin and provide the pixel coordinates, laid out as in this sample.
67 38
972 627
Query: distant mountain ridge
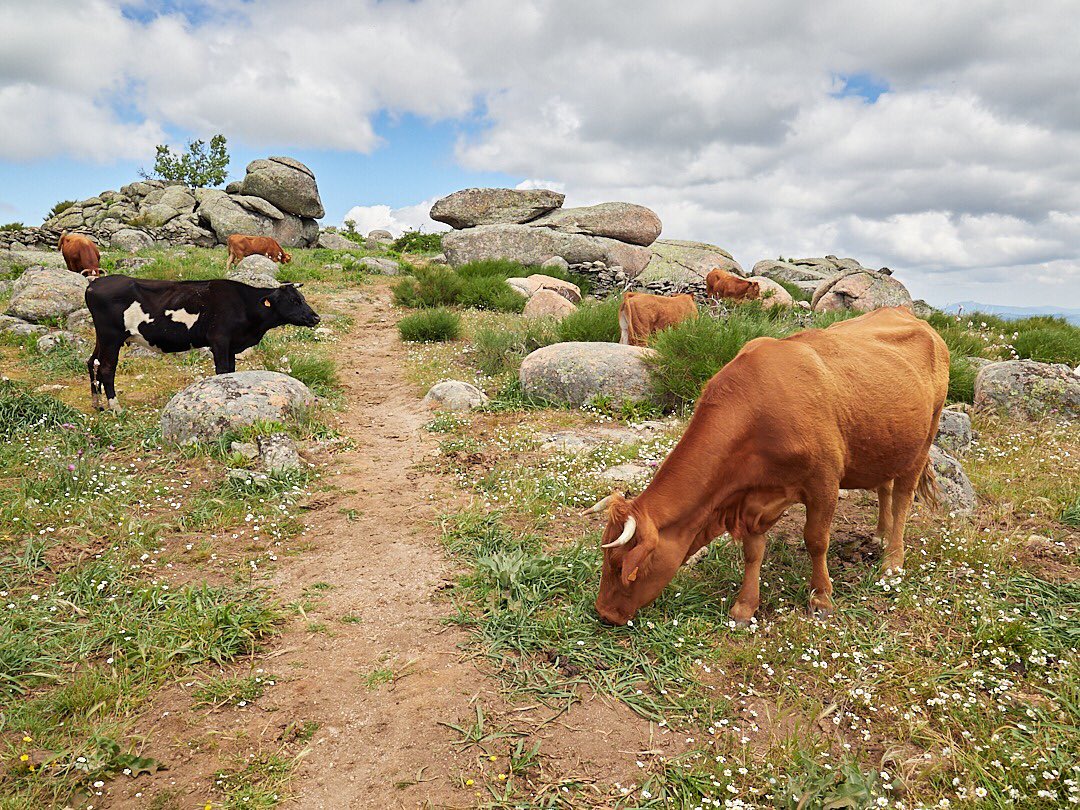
1013 313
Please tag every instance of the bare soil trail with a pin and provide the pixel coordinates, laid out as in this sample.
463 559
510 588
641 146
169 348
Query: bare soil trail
374 665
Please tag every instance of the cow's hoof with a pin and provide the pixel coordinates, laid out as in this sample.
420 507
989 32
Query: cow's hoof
821 611
741 614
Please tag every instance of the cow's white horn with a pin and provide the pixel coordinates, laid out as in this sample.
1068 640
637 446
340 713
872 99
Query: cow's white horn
626 536
599 506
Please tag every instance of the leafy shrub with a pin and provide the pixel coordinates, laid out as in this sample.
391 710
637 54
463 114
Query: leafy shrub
592 322
691 352
501 348
12 226
430 326
417 242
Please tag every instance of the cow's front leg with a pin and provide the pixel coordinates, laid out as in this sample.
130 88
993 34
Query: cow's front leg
103 374
819 517
750 595
224 358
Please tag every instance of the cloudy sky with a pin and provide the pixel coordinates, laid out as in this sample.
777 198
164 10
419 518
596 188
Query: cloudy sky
940 139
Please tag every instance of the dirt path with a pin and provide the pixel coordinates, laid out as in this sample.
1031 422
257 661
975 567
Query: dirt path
379 552
370 584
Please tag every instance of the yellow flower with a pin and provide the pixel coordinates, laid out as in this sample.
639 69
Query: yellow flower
492 758
469 782
26 739
502 776
24 757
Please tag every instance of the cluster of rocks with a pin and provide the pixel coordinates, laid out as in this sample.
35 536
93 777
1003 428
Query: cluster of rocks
277 197
1029 390
835 284
531 226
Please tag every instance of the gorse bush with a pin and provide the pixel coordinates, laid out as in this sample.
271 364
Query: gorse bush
429 287
691 352
430 326
489 292
59 208
12 226
592 322
961 378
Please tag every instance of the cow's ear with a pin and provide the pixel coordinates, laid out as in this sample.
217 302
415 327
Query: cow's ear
638 556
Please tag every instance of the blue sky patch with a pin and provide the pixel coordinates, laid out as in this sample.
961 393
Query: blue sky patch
864 85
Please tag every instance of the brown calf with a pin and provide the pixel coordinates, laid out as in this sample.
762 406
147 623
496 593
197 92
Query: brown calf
80 254
722 284
241 246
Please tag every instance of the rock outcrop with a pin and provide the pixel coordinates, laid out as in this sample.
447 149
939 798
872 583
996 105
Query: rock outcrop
1027 389
278 197
455 395
547 304
955 491
44 293
208 409
494 206
285 183
528 245
577 373
531 227
861 290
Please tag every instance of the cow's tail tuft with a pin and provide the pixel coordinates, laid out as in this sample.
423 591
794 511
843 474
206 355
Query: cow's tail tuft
927 488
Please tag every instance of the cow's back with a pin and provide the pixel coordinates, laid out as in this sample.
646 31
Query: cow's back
865 392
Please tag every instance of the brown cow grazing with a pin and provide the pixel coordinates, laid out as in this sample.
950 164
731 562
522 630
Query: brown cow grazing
241 246
642 314
722 284
80 254
854 406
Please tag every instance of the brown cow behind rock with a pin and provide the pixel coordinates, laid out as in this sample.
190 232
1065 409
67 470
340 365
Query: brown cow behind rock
643 314
722 284
80 254
854 406
241 246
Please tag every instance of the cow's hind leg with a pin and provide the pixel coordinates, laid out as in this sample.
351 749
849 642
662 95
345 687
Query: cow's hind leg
885 515
819 517
106 358
902 497
95 385
750 594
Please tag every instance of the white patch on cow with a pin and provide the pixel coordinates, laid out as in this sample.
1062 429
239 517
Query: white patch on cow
114 405
624 329
188 319
134 317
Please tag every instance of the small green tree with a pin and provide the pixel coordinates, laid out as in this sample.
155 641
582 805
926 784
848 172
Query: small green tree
197 167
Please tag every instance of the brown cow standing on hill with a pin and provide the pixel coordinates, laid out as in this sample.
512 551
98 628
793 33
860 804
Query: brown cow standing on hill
854 406
241 246
722 284
80 254
642 314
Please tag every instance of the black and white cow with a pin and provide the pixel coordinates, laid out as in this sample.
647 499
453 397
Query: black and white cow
174 316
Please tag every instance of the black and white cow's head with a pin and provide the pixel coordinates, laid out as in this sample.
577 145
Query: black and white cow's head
290 306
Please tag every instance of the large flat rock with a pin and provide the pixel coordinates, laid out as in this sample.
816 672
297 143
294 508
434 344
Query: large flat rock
578 373
494 206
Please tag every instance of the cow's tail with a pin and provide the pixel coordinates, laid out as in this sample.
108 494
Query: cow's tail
927 488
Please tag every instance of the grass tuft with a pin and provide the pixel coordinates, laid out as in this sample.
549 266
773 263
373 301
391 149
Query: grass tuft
430 326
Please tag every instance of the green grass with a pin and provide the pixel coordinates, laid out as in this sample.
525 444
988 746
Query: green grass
498 348
795 291
235 691
430 326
